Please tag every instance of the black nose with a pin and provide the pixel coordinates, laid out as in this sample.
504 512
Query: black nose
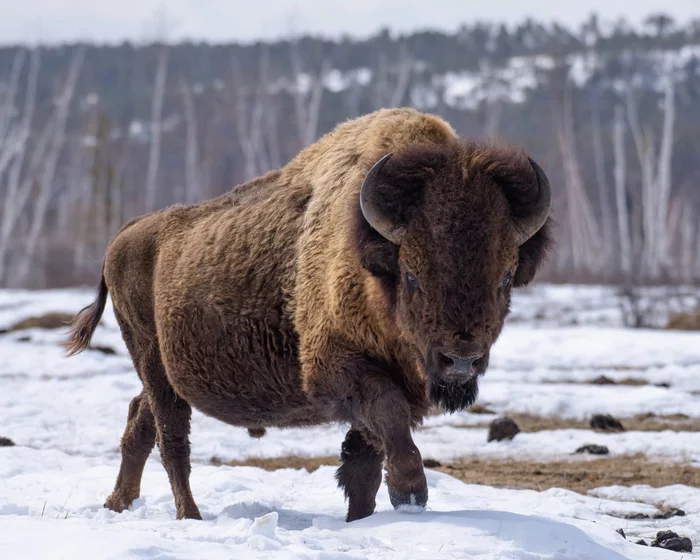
454 364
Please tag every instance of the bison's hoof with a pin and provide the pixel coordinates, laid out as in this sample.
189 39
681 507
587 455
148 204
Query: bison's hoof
361 511
118 503
413 502
189 512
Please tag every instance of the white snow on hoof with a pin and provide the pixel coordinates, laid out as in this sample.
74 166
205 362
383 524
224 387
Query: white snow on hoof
412 507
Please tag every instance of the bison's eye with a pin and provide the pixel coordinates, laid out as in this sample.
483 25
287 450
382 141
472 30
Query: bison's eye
412 284
506 281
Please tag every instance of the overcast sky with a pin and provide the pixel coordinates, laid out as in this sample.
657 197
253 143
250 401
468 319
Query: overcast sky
55 21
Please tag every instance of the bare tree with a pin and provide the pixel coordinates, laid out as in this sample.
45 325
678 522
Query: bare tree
15 190
192 175
656 176
7 136
623 219
270 115
602 182
391 84
307 90
248 120
155 129
46 184
586 244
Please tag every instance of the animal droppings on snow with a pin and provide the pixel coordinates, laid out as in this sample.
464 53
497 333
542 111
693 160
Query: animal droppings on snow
502 429
672 541
593 449
606 423
673 512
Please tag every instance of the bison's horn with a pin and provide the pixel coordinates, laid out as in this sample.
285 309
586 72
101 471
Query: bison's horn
528 226
371 210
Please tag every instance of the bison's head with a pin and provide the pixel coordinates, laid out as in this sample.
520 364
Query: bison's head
449 231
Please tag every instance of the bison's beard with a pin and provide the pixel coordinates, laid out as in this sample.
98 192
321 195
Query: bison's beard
454 395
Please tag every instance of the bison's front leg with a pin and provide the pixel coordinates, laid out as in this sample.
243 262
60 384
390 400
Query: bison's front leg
388 416
358 389
360 473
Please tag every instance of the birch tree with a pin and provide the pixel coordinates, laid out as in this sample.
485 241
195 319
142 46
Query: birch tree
14 187
156 128
623 218
45 180
388 92
307 90
655 174
192 174
586 244
602 181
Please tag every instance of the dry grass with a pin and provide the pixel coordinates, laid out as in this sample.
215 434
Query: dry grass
642 422
276 463
685 322
604 380
577 474
46 321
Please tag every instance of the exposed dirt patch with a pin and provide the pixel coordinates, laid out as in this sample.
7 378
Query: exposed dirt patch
46 321
276 463
577 474
605 380
685 322
480 409
648 422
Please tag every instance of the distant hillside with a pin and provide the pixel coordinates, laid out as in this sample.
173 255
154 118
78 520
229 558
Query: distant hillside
91 136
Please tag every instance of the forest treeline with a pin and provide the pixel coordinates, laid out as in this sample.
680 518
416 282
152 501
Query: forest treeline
91 136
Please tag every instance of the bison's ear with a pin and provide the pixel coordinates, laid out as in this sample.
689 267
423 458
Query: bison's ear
393 189
392 193
533 253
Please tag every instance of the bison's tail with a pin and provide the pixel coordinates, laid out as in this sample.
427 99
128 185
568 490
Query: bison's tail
85 322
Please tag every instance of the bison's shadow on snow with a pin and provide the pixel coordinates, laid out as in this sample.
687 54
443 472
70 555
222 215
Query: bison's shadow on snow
527 532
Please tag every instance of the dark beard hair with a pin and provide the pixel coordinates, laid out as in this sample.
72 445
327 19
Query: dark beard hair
454 396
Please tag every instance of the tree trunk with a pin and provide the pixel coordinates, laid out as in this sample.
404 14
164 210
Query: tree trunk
623 219
155 131
46 181
192 178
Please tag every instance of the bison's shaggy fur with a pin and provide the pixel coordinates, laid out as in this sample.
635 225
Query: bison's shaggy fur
279 305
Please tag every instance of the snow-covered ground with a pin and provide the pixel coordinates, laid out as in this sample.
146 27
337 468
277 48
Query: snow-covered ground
67 415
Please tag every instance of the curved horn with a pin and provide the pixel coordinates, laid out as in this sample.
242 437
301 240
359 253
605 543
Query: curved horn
370 209
528 226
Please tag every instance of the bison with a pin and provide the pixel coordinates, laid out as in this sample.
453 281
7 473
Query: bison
362 283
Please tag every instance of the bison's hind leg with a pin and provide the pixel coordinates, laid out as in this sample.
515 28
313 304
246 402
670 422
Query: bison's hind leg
172 416
136 445
157 414
360 474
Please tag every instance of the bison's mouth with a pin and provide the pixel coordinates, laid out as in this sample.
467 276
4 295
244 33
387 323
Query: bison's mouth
455 391
453 394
